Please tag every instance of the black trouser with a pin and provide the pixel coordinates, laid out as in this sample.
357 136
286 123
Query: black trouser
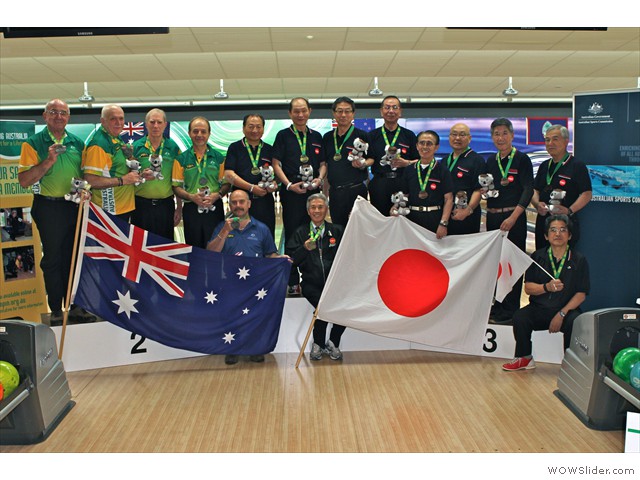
294 214
320 326
471 224
263 209
155 215
428 220
518 235
198 227
541 242
341 200
380 191
56 221
530 318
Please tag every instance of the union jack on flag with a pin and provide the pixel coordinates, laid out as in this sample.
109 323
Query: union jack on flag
175 294
132 131
131 248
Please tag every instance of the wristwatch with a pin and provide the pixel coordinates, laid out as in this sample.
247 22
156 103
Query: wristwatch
443 223
562 314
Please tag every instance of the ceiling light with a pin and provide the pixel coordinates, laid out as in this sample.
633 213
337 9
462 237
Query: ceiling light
86 97
375 91
510 91
221 95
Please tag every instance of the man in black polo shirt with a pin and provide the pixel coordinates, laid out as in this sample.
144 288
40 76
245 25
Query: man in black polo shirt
561 173
386 179
513 178
294 147
242 169
347 179
465 166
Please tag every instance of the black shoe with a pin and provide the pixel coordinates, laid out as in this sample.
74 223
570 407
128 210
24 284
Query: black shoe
231 359
503 318
257 358
55 319
80 315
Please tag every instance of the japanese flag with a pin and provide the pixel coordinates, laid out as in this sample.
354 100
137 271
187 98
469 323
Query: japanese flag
513 263
394 278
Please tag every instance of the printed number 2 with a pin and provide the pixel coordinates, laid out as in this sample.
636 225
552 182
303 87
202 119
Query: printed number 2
136 348
490 345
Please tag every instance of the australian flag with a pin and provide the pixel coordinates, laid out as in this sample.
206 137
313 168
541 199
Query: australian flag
175 294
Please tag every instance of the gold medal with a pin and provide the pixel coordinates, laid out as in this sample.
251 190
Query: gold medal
255 171
337 157
504 182
423 194
203 181
312 246
304 158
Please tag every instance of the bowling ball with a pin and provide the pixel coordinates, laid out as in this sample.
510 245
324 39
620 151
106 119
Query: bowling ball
634 376
9 377
624 360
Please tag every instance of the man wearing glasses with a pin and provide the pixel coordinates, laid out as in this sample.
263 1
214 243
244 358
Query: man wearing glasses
347 178
465 166
555 293
389 137
49 160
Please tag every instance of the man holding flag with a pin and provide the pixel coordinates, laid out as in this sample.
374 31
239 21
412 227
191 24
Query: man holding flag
554 300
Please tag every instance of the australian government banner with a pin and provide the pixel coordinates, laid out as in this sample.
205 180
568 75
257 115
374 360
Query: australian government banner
607 140
393 278
175 294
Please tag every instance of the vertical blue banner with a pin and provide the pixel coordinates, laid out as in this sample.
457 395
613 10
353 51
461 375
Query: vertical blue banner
607 140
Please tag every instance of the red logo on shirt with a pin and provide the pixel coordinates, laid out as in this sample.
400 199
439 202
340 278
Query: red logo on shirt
510 178
432 186
404 150
459 174
562 182
317 150
332 241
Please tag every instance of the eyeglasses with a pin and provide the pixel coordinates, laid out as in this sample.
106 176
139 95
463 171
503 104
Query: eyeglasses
347 111
556 230
62 113
456 134
426 143
391 107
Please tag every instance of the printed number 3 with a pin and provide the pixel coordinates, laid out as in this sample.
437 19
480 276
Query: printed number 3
490 344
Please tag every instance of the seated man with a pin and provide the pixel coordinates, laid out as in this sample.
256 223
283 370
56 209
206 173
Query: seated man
243 235
553 304
313 248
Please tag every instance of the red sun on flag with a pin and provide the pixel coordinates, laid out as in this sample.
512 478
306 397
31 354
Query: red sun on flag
500 269
412 282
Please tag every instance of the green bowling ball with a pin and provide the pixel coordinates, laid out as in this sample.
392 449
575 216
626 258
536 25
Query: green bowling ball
624 360
9 377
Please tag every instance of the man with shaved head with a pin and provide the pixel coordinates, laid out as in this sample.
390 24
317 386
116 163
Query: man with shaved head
465 166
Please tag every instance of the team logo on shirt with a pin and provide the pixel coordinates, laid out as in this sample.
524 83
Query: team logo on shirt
510 178
562 182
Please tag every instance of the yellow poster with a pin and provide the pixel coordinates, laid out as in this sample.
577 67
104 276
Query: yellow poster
22 293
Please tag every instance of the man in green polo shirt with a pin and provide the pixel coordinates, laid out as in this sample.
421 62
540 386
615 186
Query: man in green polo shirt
104 165
156 210
49 160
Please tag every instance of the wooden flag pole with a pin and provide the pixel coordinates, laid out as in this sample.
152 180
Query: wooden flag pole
65 310
306 339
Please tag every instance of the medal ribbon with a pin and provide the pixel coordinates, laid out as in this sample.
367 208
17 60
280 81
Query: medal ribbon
335 139
421 182
153 152
451 162
201 164
395 137
557 271
315 232
504 171
303 142
115 140
254 160
550 174
54 139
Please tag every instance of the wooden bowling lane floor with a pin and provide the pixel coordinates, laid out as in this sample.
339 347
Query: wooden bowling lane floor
385 401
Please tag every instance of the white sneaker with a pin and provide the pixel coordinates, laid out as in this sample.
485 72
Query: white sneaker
334 352
316 352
